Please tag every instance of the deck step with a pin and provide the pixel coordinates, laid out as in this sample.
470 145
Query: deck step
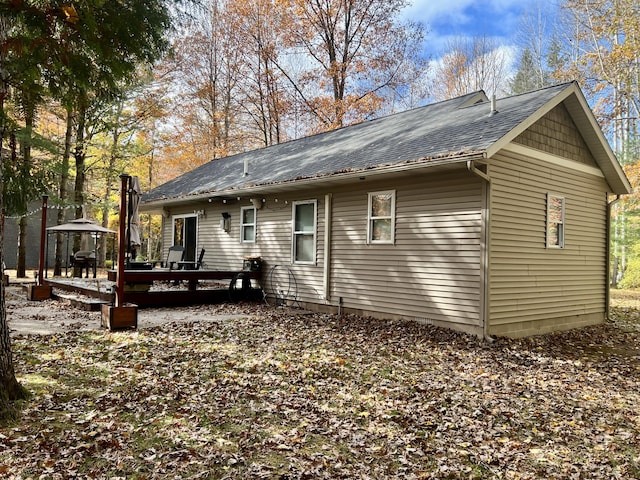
79 301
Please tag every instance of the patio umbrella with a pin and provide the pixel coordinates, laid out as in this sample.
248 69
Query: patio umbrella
133 233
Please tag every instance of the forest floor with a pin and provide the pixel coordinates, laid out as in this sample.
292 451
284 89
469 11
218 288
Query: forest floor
249 391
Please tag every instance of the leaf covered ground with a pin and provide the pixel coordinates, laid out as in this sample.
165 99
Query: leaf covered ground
280 394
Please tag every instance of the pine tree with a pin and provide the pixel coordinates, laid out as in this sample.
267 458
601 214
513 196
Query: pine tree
526 78
77 53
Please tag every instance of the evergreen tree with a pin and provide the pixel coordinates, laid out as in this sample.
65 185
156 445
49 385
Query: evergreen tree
80 52
526 78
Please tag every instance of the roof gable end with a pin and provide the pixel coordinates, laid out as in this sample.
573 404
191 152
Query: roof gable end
576 104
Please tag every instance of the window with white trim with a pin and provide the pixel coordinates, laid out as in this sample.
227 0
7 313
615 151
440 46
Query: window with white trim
304 232
381 217
555 221
247 225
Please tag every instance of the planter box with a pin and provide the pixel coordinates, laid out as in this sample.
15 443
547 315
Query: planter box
39 292
117 318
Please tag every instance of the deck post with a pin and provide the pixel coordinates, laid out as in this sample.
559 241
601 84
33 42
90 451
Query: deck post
43 236
119 315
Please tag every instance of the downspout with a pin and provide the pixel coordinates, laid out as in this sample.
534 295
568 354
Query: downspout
484 259
607 288
327 246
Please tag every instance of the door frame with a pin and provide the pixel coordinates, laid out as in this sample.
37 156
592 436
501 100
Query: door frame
192 246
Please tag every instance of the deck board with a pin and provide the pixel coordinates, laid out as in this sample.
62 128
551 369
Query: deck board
192 294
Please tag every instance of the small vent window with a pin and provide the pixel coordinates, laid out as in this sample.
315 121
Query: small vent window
555 221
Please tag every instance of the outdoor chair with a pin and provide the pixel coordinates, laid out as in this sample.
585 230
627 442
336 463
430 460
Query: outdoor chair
192 265
174 257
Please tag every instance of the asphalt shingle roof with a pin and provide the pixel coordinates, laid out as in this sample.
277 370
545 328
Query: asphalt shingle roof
444 129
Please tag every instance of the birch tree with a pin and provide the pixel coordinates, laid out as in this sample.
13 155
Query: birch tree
602 50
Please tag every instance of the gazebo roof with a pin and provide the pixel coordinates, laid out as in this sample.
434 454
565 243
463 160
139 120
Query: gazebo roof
80 225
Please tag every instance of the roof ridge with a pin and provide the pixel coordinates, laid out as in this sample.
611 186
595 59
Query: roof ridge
559 86
460 98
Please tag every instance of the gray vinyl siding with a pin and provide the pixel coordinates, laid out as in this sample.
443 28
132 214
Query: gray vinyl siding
535 289
295 282
432 271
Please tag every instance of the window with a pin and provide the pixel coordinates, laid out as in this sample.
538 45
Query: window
247 225
555 221
304 232
382 213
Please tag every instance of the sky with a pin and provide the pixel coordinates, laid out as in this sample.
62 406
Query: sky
446 19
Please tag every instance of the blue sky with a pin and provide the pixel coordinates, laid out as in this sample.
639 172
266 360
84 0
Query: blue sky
447 19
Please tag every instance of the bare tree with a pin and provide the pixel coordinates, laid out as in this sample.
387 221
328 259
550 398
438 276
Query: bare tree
537 35
358 54
265 99
204 73
472 64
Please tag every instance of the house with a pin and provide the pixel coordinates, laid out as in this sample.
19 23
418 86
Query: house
485 216
34 224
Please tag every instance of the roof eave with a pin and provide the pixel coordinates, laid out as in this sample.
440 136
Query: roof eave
305 183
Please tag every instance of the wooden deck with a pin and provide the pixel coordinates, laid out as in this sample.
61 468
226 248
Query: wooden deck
136 280
184 287
145 276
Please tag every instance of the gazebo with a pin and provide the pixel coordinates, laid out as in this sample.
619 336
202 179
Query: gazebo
79 226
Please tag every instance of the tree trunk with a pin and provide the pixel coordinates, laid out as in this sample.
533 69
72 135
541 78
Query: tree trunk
10 389
111 177
79 155
78 192
29 120
64 179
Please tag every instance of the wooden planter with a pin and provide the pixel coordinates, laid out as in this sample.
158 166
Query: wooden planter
39 292
118 318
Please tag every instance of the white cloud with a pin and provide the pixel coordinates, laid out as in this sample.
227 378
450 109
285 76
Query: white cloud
447 19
